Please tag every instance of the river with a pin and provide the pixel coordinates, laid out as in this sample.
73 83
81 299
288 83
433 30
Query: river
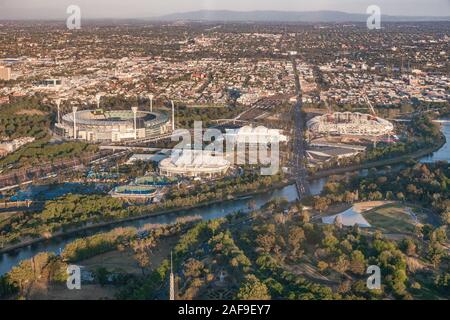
8 260
442 154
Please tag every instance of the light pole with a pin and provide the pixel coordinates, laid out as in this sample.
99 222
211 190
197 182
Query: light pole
75 136
150 96
173 115
97 98
135 109
58 104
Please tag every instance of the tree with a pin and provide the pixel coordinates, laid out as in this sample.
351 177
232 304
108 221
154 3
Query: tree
6 287
349 197
102 274
266 242
322 265
400 196
446 217
143 260
435 253
193 268
342 264
442 282
320 204
398 282
439 235
304 216
253 289
295 238
330 241
409 247
389 195
357 262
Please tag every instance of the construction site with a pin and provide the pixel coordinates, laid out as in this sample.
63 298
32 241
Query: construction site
338 135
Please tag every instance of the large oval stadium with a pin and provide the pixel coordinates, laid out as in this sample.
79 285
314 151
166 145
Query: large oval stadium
113 126
350 123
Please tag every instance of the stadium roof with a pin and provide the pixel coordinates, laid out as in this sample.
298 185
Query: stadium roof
348 218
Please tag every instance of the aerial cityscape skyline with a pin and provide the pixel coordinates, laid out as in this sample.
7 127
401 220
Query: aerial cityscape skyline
217 155
46 9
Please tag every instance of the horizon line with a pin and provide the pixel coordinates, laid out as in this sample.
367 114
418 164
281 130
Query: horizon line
160 17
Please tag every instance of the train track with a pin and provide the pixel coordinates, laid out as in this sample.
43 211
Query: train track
299 161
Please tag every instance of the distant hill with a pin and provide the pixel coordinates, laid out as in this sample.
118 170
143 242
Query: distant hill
285 16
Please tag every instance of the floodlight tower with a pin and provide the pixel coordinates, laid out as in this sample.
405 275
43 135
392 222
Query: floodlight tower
150 96
58 104
135 109
373 113
74 110
97 98
173 115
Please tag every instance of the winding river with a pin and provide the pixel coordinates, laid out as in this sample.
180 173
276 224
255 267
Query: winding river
9 260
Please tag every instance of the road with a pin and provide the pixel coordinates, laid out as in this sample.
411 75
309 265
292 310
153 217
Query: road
299 161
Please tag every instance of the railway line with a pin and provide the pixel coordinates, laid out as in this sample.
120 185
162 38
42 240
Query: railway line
299 161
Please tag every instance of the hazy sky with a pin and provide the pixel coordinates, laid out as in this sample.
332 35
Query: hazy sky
51 9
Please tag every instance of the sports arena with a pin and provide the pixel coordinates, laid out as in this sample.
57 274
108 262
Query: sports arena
194 164
350 123
113 126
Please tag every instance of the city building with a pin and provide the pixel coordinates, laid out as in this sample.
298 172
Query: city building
48 84
5 73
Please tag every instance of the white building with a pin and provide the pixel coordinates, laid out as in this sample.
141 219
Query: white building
249 135
194 163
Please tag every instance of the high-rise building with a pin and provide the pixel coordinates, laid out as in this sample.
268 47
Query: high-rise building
5 73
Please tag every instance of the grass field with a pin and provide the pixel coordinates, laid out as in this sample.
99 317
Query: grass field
392 219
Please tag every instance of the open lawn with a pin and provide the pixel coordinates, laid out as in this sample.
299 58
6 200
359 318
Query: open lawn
124 261
392 218
113 261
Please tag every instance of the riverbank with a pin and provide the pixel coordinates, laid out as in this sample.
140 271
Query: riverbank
322 174
13 247
381 163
